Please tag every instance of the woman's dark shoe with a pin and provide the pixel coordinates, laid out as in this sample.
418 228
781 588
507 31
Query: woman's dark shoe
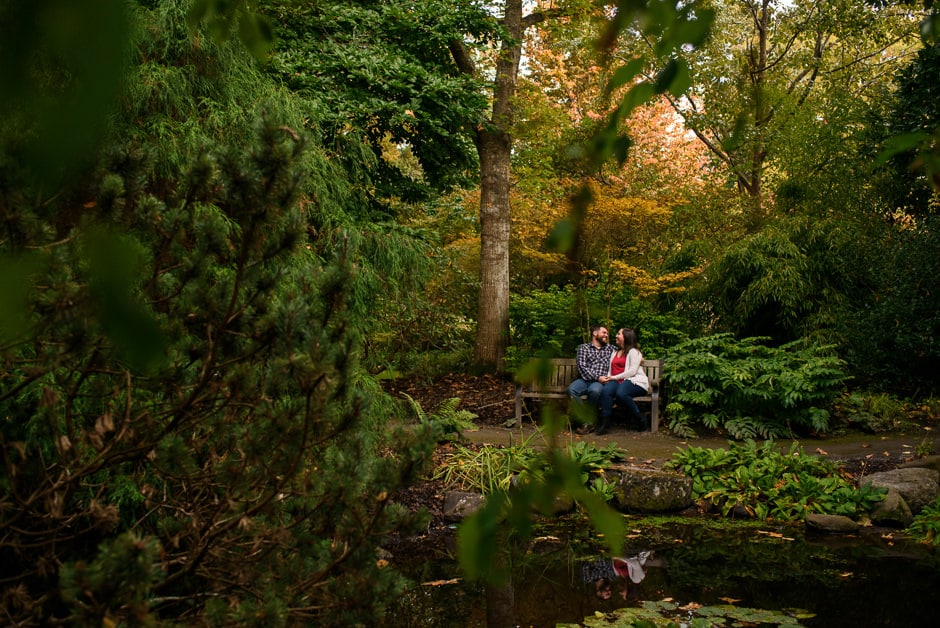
602 430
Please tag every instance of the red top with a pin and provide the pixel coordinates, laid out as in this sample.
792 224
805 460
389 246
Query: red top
618 364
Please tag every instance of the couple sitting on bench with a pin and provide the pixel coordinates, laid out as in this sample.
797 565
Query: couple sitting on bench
607 373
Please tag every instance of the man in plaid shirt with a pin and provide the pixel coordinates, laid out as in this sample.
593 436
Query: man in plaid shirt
593 360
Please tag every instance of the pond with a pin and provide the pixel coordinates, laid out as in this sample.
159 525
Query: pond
870 579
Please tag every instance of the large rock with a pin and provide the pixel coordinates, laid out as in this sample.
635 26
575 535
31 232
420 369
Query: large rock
929 462
892 511
918 486
836 524
459 505
649 490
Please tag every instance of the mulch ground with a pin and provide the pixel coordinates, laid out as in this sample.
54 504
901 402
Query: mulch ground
490 397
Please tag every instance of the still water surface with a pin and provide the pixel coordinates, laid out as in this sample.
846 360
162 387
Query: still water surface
857 581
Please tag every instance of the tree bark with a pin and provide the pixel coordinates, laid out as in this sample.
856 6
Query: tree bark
493 308
494 146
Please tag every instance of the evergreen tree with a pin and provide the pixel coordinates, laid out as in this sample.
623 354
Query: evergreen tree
187 434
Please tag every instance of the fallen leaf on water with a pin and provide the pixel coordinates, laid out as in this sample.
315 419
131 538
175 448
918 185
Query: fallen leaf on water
887 454
691 606
822 452
846 574
729 600
437 583
866 445
775 535
869 456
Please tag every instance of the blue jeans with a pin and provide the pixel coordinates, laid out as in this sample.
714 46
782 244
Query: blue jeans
593 390
625 392
607 399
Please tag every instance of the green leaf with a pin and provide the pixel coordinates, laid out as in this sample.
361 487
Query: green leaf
898 144
114 265
257 34
626 73
15 283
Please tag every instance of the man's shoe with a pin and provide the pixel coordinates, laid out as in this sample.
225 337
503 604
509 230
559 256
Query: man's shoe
602 430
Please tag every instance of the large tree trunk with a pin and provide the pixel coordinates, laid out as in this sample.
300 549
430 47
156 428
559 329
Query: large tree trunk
494 144
493 311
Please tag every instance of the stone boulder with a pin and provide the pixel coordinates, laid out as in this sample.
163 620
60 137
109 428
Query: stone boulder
459 505
893 511
835 524
918 486
649 490
928 462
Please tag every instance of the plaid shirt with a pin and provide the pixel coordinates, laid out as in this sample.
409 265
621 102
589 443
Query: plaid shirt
593 363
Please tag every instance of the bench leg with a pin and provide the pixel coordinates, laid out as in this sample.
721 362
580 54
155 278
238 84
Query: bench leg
519 407
654 413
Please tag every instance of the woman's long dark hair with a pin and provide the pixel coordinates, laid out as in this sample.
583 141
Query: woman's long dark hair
629 340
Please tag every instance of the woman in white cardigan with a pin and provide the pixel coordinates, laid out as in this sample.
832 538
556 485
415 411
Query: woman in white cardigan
625 380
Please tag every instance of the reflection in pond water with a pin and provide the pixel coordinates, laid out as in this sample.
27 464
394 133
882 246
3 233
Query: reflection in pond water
607 572
827 581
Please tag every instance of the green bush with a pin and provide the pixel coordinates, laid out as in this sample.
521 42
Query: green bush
187 435
870 412
770 485
926 524
750 389
891 334
490 469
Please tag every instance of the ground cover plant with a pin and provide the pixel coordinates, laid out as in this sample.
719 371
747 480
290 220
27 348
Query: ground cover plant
759 480
488 469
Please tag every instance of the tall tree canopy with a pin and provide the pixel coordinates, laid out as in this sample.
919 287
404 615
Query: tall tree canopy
771 68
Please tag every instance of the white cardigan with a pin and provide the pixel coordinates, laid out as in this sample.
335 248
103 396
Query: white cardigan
633 371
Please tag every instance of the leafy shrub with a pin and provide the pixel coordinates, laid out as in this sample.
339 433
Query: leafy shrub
490 469
891 342
870 412
750 389
926 524
445 421
486 470
187 436
771 485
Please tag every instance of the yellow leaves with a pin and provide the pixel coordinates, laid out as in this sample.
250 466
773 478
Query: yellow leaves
646 284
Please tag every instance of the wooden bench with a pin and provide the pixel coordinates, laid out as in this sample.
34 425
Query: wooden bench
565 370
